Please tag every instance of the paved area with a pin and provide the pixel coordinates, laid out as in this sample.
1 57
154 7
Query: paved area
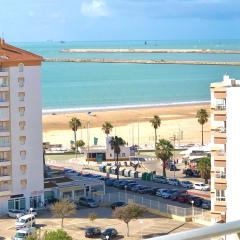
151 225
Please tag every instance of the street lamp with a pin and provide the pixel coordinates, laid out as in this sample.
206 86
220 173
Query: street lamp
125 187
192 202
141 222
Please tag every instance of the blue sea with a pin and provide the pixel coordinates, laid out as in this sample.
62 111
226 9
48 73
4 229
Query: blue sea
83 86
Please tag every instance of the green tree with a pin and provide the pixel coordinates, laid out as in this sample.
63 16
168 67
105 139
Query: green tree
116 143
164 151
156 123
63 209
107 128
204 167
80 144
202 117
129 213
92 216
74 124
51 235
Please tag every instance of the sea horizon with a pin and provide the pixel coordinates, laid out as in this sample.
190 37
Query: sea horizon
75 87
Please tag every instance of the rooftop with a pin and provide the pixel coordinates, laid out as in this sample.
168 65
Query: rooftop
227 82
13 55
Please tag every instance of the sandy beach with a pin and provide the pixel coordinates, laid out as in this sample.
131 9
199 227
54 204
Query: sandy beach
129 124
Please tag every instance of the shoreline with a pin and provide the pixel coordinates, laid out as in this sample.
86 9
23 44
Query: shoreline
121 107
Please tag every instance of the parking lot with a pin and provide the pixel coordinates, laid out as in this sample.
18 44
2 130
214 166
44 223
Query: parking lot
151 225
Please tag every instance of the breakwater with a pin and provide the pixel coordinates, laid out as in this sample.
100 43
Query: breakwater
137 61
124 50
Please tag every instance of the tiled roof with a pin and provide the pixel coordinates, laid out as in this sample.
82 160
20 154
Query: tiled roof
11 54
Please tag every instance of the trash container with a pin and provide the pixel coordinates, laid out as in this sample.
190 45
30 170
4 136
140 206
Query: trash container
144 176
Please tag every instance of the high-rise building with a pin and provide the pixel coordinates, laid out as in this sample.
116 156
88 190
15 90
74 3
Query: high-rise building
225 161
21 158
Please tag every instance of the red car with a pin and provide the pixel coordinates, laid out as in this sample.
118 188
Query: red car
183 198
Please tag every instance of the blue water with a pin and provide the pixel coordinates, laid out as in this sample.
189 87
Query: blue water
83 85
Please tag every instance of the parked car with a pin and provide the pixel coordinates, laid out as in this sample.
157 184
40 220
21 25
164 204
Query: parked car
168 193
118 204
201 187
145 190
135 188
160 192
15 213
25 221
153 191
110 232
173 181
109 182
206 204
131 185
177 193
93 232
186 184
195 200
88 202
182 198
160 179
24 233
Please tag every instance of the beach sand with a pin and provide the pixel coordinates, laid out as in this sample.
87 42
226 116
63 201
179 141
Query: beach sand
175 119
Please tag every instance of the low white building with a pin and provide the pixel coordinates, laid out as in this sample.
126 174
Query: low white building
21 157
106 153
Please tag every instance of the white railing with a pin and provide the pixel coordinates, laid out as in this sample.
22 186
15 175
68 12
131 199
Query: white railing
3 69
217 231
220 107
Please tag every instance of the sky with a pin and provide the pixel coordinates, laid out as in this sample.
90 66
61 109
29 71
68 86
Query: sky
99 20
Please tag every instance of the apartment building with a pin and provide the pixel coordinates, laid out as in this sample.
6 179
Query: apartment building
21 165
225 160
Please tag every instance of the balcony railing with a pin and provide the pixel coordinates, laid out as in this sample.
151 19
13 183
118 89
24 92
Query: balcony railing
221 107
220 175
217 231
5 144
4 129
4 189
3 69
4 85
220 198
220 129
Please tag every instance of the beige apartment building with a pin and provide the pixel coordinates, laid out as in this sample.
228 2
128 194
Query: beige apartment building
225 160
21 164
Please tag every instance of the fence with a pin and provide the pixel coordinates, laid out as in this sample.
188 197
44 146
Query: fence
152 204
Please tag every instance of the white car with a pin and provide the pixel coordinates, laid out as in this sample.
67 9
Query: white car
160 192
24 233
25 221
186 184
15 213
201 187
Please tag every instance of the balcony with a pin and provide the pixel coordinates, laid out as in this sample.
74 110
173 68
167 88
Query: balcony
3 72
4 102
5 190
4 114
219 138
219 113
4 131
216 231
5 162
4 86
220 93
220 205
5 177
4 146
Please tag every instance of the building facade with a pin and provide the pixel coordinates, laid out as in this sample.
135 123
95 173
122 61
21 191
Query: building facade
21 158
225 172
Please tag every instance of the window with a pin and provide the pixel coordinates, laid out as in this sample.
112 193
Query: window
22 111
20 67
4 96
22 125
4 126
21 82
4 141
35 202
23 155
3 82
23 183
21 96
22 140
17 204
220 195
3 156
123 155
23 169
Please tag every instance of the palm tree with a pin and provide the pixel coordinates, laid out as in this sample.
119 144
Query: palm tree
116 143
156 123
204 167
107 128
80 144
164 149
74 124
202 117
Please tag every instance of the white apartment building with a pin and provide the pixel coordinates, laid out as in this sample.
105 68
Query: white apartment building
225 172
21 164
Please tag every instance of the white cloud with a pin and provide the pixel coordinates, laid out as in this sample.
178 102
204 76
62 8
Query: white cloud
94 8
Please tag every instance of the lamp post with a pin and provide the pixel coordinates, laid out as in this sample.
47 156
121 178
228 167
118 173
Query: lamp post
30 210
125 187
141 222
192 202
